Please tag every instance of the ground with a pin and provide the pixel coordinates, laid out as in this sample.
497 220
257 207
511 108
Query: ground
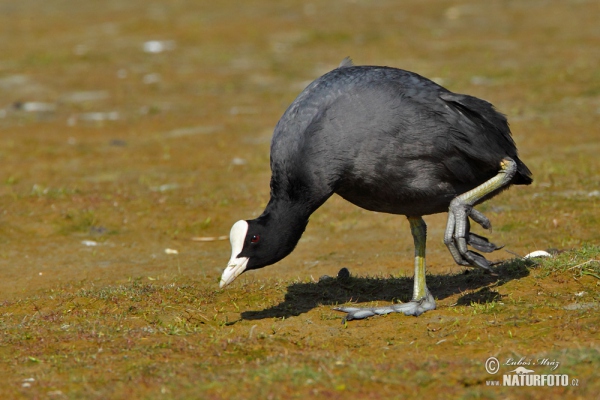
130 128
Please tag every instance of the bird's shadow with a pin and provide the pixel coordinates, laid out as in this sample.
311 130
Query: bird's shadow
475 284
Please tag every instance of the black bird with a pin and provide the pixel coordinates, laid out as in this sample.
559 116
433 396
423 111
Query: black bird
386 140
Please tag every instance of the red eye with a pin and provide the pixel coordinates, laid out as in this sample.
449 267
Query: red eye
254 239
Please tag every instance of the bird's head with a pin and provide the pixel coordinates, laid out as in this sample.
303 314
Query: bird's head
258 243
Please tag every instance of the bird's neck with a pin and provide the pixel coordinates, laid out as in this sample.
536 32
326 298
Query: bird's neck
287 214
287 218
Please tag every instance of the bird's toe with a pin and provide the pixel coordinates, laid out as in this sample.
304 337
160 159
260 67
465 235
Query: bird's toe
413 307
481 243
480 219
458 235
355 313
477 260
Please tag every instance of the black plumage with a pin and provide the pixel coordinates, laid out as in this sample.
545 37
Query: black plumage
384 139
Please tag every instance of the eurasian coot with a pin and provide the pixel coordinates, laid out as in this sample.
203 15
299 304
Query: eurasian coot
387 140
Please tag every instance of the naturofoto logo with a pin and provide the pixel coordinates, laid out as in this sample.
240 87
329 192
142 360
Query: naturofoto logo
523 376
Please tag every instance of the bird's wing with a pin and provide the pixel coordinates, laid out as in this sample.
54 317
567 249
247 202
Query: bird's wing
477 111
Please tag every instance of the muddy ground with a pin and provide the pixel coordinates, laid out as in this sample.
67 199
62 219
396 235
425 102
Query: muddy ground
130 128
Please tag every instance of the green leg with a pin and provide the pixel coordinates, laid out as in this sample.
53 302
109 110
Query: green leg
419 233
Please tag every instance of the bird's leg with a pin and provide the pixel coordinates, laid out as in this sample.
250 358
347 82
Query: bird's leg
457 234
422 300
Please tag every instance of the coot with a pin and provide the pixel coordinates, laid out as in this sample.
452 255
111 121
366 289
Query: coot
386 140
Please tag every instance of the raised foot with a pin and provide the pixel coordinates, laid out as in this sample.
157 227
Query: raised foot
458 236
413 307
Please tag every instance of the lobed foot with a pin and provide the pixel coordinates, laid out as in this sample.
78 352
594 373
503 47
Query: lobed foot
458 235
413 307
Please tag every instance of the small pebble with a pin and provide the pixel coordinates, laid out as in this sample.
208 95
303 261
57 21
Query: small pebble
238 161
343 274
538 253
158 46
35 106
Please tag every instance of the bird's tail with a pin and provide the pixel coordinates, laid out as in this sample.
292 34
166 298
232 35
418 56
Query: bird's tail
523 175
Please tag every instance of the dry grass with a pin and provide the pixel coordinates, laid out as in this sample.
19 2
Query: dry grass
180 339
